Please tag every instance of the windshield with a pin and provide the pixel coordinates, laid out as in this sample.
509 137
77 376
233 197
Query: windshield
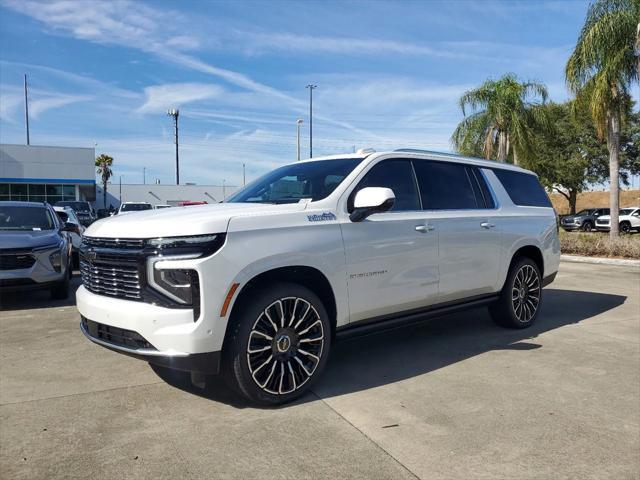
134 207
626 211
25 218
313 180
584 212
77 206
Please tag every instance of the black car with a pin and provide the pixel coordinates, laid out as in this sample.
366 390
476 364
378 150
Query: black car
584 220
84 210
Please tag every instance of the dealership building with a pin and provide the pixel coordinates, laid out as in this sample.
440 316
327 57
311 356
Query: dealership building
50 174
41 173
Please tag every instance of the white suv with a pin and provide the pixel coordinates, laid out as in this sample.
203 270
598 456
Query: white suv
628 218
259 287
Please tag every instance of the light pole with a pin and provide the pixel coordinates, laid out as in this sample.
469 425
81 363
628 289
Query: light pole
311 87
175 113
244 175
298 123
121 188
144 175
224 194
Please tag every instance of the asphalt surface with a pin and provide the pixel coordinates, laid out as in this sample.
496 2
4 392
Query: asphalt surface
453 398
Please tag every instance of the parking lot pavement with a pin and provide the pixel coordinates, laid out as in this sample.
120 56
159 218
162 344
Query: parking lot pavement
453 398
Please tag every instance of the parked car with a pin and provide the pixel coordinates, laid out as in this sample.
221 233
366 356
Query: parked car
629 219
584 220
128 207
159 207
190 203
258 287
35 252
68 215
85 212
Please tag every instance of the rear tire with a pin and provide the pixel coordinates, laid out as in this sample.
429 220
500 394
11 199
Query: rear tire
519 301
277 344
625 227
587 226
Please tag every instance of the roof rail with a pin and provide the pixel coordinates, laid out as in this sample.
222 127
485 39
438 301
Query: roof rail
418 150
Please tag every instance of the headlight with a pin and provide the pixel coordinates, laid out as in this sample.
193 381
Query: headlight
196 241
56 261
181 285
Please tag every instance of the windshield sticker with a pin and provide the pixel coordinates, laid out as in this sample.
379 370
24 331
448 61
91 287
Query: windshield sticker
324 217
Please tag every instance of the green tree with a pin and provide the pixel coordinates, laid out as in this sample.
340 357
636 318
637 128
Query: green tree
500 117
600 72
572 158
103 168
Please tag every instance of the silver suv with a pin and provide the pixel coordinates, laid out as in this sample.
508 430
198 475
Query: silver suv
35 250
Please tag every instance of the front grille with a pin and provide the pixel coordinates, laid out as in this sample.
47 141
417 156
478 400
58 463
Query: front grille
116 336
16 261
113 242
116 280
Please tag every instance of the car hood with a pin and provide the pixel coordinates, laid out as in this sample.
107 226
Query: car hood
181 221
26 239
604 217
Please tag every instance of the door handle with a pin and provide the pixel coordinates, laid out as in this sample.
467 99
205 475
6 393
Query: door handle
487 225
424 228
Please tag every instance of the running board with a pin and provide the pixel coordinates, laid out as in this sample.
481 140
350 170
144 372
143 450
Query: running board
390 322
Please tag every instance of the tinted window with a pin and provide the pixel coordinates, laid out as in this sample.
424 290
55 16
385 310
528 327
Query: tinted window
523 188
289 184
25 218
445 186
484 189
398 176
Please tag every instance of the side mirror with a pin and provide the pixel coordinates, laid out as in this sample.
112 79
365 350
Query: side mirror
371 200
71 227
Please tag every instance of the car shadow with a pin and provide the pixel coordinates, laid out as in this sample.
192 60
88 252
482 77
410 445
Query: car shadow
362 363
33 299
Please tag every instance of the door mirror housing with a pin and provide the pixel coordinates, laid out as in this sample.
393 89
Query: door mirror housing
71 227
371 200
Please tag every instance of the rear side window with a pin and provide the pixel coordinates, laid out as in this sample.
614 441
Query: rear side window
398 176
446 186
523 188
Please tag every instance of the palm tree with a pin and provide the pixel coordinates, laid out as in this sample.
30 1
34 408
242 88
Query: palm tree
503 115
600 72
103 168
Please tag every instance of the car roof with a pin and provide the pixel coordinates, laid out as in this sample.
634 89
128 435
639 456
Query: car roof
425 154
18 203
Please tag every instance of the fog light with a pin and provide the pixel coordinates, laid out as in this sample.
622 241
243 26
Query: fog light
56 261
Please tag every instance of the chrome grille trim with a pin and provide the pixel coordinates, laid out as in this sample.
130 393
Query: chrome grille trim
116 281
113 242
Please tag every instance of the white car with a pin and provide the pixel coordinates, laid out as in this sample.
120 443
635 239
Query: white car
259 287
71 217
628 218
129 207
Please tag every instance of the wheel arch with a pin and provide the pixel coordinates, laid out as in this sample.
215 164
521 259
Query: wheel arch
529 251
307 276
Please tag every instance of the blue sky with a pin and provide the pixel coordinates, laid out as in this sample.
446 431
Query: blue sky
389 75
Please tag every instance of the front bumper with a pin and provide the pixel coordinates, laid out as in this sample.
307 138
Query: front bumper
570 227
207 363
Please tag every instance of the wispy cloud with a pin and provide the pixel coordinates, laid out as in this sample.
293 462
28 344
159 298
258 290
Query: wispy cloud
12 102
161 97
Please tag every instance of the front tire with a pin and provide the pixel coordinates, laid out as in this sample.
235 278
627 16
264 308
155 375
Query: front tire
277 345
520 298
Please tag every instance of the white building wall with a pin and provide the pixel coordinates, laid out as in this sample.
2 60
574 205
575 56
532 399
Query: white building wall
162 194
47 163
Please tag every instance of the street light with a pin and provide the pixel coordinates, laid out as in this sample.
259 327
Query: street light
298 123
121 187
311 87
175 113
224 195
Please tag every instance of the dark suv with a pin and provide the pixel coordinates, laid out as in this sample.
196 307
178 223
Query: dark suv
35 250
584 220
84 210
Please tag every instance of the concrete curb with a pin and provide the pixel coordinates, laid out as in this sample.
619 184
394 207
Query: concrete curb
600 260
